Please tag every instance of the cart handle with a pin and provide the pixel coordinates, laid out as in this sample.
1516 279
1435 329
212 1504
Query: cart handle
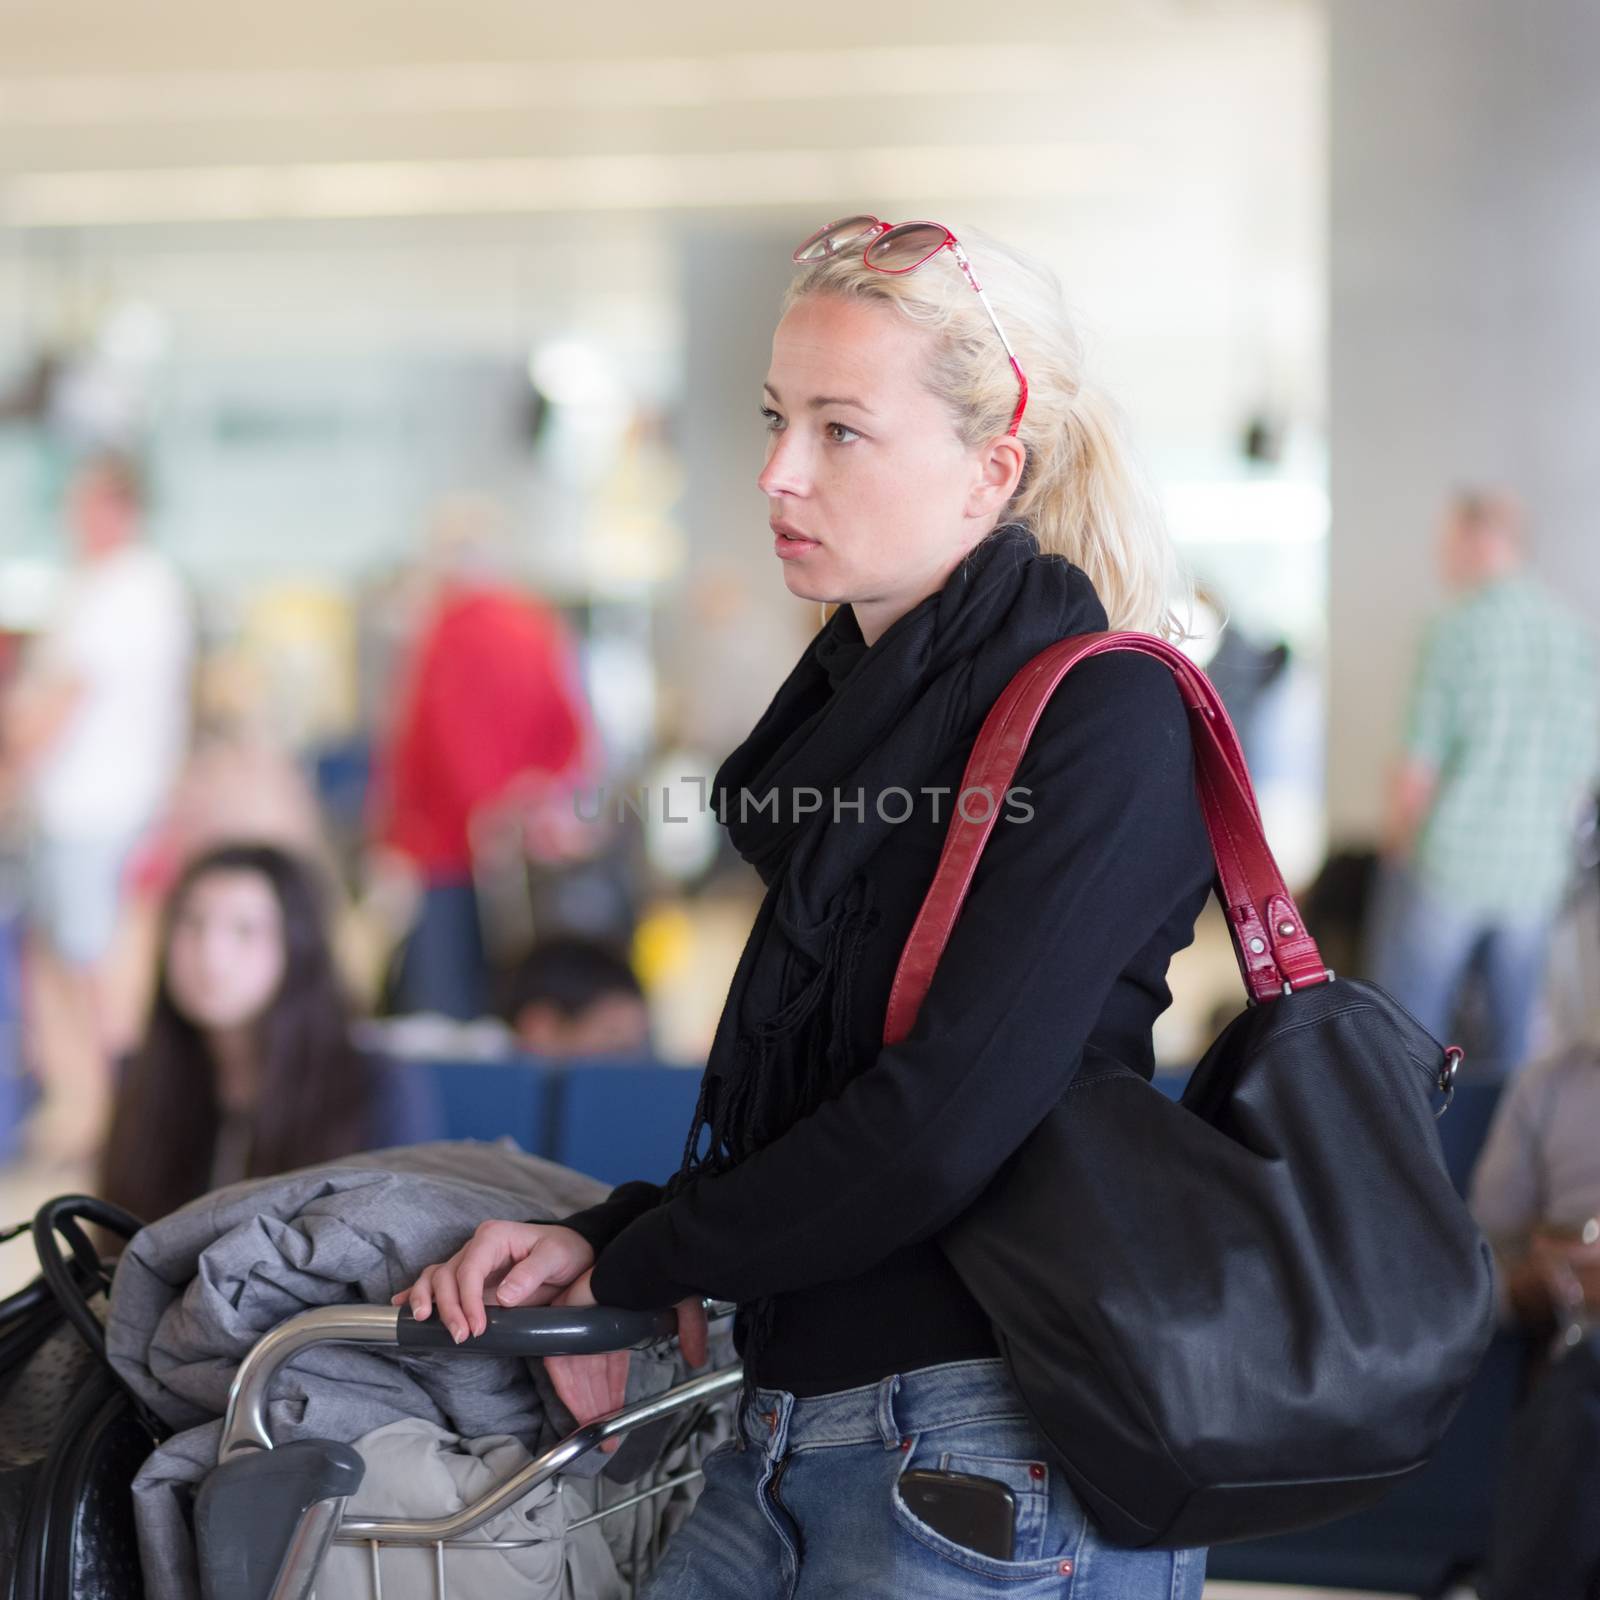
538 1331
530 1332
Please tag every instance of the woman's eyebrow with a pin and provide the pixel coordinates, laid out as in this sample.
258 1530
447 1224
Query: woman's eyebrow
817 402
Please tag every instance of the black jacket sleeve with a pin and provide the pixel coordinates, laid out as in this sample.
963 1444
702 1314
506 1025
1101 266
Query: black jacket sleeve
601 1223
1058 906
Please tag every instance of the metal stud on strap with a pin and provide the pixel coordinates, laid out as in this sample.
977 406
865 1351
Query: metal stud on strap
1454 1055
1327 975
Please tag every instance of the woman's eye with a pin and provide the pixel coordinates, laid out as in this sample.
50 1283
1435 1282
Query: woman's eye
771 418
835 429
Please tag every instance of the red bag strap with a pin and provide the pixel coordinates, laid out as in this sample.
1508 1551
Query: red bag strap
1275 951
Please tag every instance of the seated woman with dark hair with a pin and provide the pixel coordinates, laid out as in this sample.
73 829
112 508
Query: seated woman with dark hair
247 1068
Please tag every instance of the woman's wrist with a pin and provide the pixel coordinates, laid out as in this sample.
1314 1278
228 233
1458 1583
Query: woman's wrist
598 1225
590 1228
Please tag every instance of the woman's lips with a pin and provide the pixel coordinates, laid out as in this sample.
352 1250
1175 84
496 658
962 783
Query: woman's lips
789 543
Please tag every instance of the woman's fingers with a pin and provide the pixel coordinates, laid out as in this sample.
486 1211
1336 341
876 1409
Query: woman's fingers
420 1295
545 1264
545 1294
448 1299
504 1263
591 1386
485 1254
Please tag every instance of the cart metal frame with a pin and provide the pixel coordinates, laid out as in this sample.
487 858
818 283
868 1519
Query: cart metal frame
295 1495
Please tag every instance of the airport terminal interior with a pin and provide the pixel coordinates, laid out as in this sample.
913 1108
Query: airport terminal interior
389 566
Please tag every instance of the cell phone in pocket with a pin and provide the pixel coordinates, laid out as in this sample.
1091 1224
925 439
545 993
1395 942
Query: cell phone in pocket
977 1513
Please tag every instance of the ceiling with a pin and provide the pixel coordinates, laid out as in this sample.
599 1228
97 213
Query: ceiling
186 112
379 176
48 37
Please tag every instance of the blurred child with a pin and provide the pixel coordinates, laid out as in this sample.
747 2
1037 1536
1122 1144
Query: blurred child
578 997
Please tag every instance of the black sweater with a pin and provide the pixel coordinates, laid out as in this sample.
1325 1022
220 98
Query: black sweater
1062 946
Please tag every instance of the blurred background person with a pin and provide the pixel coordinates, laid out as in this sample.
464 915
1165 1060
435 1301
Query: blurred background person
1502 741
1536 1195
489 714
1569 1012
95 732
1242 669
247 1067
1536 1189
572 997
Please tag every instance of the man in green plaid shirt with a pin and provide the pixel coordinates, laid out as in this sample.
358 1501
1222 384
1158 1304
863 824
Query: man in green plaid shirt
1502 751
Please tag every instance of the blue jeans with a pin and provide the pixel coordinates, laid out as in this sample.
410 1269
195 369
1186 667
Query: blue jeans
804 1504
1422 946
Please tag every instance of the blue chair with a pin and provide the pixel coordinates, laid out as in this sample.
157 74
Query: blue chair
18 1090
492 1099
617 1121
342 773
1171 1084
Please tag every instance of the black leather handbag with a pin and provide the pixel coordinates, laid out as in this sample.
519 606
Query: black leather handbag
1256 1309
71 1438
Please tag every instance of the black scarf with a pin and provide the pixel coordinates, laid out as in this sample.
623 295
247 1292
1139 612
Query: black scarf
858 722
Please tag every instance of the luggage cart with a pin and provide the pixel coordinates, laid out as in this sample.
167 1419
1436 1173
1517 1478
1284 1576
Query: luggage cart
266 1517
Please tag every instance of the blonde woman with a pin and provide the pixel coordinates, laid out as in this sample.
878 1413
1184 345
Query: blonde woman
937 467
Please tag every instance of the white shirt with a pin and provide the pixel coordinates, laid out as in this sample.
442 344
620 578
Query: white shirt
123 633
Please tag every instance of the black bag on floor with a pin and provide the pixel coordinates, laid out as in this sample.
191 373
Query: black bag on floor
71 1437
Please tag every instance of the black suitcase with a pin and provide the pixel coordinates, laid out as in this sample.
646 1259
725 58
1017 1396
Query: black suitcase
71 1437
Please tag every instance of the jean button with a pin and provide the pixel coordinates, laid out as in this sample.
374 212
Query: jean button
1036 1472
1066 1569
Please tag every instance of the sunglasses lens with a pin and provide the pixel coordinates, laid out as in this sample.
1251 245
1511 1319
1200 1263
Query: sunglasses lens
905 247
837 236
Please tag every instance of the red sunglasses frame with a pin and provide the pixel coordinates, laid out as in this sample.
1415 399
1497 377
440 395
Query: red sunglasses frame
873 235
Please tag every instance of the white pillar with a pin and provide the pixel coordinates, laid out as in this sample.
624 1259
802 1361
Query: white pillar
1465 324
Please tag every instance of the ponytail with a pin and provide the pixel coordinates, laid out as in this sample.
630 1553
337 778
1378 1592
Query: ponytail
1085 497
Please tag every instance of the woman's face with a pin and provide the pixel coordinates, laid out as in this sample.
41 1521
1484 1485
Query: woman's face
872 496
226 959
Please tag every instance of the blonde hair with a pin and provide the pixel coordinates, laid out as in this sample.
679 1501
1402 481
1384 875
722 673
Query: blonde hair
1082 492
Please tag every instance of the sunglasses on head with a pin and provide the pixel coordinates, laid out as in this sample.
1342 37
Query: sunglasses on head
903 247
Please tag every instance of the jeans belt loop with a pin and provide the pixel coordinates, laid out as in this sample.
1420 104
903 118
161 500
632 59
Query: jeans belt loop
887 1425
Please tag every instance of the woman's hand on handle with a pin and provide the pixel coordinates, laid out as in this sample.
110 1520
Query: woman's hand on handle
595 1386
507 1263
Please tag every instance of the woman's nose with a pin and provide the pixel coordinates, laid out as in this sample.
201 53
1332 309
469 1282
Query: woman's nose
785 471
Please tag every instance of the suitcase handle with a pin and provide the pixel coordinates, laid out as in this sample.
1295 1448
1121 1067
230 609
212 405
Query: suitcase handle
62 1216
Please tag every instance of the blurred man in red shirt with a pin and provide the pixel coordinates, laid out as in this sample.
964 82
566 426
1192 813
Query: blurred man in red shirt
489 716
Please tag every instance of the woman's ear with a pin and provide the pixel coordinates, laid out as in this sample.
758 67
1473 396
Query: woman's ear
1000 465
